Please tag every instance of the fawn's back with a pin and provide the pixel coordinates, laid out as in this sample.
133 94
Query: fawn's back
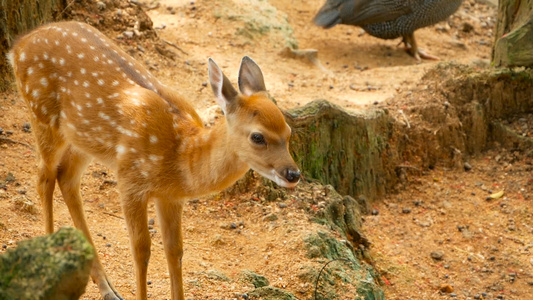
91 94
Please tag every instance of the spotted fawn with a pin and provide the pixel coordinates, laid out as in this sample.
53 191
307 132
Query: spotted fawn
89 100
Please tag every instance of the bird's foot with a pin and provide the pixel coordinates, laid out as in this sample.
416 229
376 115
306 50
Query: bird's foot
416 52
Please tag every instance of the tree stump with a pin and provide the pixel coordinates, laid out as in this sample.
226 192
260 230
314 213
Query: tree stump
18 17
514 34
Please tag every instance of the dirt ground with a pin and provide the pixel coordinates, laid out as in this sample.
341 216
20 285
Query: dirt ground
482 247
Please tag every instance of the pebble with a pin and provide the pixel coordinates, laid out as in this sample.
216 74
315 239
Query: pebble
1 130
282 205
270 217
128 34
108 245
453 295
204 84
406 210
437 255
26 127
467 27
152 230
375 212
10 177
148 282
232 226
101 5
467 166
151 221
4 246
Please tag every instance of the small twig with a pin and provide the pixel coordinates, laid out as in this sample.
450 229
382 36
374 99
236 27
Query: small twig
68 5
152 6
175 46
8 140
408 167
516 240
113 215
477 255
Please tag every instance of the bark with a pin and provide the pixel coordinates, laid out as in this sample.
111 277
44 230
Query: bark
18 17
514 34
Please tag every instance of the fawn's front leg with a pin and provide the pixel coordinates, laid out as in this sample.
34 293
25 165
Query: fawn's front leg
169 212
134 208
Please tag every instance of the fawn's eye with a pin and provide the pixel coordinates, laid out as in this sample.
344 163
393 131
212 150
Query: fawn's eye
258 139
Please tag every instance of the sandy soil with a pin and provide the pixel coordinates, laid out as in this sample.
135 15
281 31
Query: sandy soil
486 244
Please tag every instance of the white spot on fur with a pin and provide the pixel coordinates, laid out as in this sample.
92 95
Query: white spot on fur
99 101
45 56
85 84
30 70
81 55
103 116
154 157
62 61
101 82
115 83
153 139
83 71
22 57
44 82
35 93
120 149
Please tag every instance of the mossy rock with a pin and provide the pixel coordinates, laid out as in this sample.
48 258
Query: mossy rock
255 20
271 293
343 274
55 266
254 278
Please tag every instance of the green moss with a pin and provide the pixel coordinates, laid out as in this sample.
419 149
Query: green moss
271 293
255 279
56 266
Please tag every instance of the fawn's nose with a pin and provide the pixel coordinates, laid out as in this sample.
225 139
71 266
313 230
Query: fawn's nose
291 175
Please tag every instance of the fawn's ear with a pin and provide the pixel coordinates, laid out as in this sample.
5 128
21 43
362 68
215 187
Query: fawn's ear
222 87
250 77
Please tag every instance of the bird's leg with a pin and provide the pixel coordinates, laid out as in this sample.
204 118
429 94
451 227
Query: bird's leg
412 48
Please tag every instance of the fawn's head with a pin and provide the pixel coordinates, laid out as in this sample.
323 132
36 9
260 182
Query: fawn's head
255 124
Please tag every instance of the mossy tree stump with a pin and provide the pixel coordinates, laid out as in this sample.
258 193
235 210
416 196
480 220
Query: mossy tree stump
514 34
18 17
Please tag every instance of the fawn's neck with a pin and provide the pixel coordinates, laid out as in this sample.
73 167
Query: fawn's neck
209 161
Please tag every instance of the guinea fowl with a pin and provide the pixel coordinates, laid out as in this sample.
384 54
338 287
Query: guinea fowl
388 19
